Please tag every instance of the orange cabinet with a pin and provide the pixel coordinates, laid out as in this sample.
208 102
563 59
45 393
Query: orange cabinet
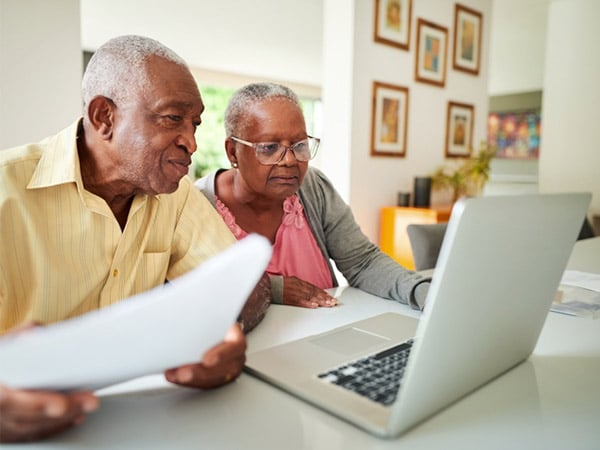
393 238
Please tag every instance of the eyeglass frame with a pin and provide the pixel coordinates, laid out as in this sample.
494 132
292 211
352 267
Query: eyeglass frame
254 145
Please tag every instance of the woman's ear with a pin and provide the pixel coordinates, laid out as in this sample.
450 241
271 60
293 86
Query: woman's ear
230 149
101 114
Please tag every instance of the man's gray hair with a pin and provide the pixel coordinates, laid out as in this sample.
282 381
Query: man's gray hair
118 68
236 114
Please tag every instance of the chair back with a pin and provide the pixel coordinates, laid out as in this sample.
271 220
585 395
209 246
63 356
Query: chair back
426 241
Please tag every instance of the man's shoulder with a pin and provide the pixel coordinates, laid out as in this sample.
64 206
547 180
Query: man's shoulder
21 154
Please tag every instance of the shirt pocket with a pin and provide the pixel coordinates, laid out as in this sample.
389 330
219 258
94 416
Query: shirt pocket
153 270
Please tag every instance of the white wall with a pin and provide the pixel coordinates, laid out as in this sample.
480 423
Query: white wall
275 39
570 150
517 46
375 181
40 68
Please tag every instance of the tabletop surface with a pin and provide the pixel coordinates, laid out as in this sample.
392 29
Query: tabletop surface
552 400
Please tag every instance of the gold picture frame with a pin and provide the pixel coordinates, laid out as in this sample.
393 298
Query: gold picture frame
468 25
459 130
392 23
389 120
432 48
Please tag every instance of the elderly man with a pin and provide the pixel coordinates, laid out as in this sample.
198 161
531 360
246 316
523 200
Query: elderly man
102 211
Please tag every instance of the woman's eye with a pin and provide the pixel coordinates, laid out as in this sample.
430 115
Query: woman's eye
301 146
269 148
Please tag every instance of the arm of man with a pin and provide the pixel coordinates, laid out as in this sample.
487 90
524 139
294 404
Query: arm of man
28 415
32 415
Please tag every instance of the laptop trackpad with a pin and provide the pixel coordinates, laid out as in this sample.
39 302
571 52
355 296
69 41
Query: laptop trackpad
349 341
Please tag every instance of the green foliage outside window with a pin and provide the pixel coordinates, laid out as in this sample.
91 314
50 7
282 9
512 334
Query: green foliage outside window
210 135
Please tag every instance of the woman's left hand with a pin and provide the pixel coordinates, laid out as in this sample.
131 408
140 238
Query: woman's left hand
297 292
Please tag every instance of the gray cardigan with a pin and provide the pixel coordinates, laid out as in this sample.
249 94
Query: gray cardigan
340 239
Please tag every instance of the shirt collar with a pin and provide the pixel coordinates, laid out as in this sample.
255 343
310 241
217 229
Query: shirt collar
59 162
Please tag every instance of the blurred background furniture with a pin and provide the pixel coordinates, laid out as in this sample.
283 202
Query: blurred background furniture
587 231
426 241
393 237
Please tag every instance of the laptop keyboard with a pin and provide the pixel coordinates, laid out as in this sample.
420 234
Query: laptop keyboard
376 377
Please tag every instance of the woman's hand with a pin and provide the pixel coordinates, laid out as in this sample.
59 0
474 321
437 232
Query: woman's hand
297 292
27 415
220 365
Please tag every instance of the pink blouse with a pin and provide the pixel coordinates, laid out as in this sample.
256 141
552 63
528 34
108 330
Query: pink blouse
295 252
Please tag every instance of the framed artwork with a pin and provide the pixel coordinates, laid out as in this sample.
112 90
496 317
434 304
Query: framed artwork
459 130
515 134
467 39
432 46
392 22
389 120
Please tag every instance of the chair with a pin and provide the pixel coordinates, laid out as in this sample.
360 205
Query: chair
587 231
426 241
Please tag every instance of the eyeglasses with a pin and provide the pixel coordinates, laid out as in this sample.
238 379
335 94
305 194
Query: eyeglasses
270 153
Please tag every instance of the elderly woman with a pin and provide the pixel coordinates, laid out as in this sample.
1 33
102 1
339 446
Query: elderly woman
271 190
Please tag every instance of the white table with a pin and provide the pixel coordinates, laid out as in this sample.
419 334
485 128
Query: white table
552 401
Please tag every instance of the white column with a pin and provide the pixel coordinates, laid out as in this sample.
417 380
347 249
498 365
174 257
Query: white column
570 149
40 68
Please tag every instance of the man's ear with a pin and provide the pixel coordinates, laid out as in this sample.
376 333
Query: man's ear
101 113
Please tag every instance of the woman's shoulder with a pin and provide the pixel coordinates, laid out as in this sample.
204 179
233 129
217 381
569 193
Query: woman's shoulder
206 182
316 183
206 185
315 176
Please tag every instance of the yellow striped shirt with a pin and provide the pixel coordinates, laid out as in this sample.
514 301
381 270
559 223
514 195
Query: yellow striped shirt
62 251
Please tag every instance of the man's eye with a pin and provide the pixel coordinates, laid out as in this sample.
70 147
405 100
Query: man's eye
174 118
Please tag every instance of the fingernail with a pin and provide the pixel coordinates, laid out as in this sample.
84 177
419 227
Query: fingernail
54 409
91 405
184 375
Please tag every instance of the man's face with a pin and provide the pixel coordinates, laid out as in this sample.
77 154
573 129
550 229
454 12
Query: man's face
153 134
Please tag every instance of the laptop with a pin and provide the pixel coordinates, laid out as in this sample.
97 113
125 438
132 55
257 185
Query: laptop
499 268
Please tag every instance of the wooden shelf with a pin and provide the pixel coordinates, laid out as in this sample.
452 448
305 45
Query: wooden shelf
393 238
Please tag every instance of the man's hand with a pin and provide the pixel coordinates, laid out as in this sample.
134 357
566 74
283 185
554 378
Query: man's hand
27 415
220 365
256 306
297 292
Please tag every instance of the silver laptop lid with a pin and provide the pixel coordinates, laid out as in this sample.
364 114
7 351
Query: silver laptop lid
497 273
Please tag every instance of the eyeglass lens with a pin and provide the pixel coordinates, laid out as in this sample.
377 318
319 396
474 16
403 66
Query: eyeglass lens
273 152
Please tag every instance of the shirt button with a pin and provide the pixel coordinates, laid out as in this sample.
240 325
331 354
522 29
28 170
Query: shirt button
115 272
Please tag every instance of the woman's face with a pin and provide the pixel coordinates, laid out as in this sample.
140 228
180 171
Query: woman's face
271 120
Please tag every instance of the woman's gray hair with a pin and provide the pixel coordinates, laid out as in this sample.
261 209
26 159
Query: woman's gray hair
118 68
236 114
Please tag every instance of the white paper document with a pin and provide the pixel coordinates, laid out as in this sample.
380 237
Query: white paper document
578 295
586 280
146 334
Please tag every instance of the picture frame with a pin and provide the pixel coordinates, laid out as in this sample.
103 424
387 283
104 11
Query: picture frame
515 134
432 48
466 52
389 119
459 130
392 23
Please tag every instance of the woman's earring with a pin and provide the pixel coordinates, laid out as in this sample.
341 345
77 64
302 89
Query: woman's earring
234 164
